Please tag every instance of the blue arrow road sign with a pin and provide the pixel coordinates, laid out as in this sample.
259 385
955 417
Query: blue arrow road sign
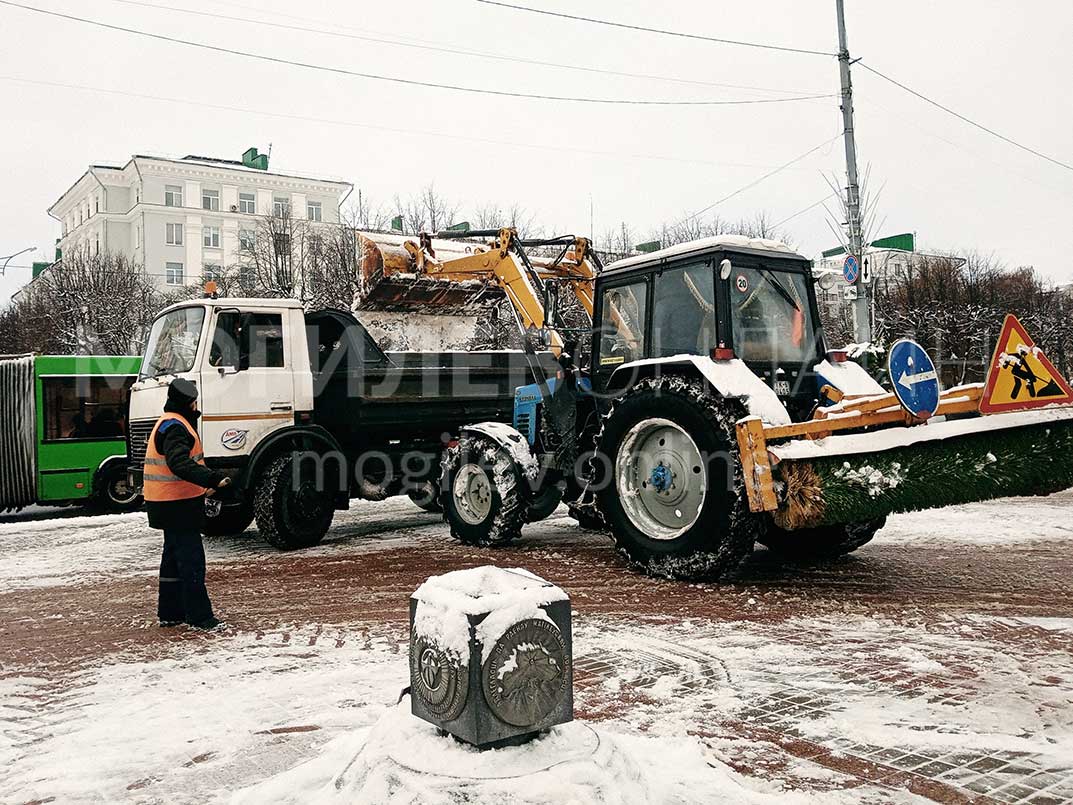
913 376
851 269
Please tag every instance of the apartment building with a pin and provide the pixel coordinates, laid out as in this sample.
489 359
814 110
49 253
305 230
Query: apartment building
185 218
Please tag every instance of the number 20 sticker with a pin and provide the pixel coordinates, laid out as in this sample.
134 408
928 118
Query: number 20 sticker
741 283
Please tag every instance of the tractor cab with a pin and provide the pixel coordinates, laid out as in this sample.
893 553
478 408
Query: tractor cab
721 298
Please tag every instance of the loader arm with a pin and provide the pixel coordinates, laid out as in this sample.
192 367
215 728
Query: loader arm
502 264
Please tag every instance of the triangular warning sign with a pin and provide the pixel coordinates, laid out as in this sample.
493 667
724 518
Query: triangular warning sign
1020 376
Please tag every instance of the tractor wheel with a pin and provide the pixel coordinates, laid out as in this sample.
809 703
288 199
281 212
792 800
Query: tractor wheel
823 542
226 521
112 493
291 513
483 502
675 499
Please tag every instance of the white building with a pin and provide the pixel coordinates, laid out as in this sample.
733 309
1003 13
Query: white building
183 219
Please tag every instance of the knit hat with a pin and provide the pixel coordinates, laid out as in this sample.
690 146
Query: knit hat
181 392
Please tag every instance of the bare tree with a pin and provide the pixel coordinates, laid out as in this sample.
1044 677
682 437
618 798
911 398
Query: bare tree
426 211
362 214
89 304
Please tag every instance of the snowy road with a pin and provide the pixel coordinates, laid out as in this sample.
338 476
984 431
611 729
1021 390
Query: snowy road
934 663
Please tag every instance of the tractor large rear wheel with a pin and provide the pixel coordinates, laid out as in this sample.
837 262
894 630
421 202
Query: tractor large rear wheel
823 542
675 499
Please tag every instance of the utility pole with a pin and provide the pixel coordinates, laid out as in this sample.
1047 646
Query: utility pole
862 306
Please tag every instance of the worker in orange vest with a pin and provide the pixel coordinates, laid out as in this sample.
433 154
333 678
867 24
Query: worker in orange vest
175 483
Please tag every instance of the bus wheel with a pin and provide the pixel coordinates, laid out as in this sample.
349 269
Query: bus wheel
112 491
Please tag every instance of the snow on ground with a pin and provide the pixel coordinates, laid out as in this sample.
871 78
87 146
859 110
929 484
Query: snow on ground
993 522
808 684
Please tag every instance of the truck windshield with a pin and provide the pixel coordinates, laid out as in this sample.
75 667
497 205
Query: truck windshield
173 342
770 316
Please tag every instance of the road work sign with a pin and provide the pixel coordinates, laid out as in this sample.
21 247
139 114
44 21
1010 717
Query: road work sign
1020 376
914 379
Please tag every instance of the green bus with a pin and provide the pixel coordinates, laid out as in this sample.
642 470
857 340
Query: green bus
63 423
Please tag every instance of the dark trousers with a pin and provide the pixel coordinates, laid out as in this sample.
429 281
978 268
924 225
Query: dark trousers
183 596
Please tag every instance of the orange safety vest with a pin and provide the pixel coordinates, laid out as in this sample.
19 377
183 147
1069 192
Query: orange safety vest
159 483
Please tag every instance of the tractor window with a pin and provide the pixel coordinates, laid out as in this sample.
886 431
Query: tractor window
85 407
770 316
683 311
622 324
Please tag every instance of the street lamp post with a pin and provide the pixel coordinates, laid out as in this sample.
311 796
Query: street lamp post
10 257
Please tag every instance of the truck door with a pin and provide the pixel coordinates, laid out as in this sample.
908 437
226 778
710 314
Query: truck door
247 381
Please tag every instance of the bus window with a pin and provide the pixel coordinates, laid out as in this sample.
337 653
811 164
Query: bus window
85 407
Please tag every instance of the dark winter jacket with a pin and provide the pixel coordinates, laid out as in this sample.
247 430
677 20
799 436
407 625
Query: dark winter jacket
175 443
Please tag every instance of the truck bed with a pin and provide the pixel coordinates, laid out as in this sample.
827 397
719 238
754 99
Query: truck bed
415 397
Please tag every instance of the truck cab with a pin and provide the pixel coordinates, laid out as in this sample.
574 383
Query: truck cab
247 357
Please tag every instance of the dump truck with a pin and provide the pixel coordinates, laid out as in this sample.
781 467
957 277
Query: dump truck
305 411
713 416
62 431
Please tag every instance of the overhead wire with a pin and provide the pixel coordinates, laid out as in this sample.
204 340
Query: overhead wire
757 181
441 48
661 31
396 79
811 206
965 119
375 127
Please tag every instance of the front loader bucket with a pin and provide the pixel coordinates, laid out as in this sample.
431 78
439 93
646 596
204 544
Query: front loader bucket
849 479
409 292
396 275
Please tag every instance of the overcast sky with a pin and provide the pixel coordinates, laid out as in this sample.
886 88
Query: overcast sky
1006 65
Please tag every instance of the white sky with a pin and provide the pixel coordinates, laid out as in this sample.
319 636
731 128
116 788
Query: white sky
1006 65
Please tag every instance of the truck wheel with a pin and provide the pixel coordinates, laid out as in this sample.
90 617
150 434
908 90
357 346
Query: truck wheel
112 491
291 515
823 542
483 504
426 497
542 506
675 500
226 521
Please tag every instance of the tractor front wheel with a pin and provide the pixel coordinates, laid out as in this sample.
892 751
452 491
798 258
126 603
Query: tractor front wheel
483 501
822 542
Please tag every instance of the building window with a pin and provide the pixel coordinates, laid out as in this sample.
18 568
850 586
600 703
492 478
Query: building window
137 237
211 237
173 196
213 272
247 240
281 207
173 273
313 211
210 200
173 234
247 203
